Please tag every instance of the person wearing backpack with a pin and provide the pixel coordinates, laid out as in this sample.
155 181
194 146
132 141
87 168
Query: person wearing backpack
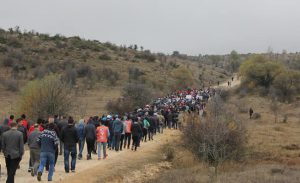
146 125
136 131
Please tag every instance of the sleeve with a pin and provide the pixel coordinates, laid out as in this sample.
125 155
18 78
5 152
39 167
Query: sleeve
21 145
108 134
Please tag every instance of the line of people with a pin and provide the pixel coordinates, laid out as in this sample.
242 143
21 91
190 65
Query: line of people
47 139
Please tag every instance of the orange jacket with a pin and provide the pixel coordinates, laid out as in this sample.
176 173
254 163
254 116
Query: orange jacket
128 126
102 133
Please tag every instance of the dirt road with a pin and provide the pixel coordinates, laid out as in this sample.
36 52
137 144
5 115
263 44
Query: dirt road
112 169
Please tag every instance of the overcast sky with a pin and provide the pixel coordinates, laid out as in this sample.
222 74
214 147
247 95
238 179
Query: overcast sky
189 26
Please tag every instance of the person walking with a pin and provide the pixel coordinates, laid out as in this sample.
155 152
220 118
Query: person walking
61 125
136 132
128 133
251 112
48 142
146 125
81 135
90 137
34 149
117 129
102 138
3 128
123 133
69 137
13 149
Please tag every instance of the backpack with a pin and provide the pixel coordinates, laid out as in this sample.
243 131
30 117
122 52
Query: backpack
146 124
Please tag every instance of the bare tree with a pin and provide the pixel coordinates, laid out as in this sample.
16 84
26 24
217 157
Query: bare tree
49 96
218 137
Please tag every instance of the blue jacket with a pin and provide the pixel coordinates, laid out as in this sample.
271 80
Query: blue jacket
81 131
118 126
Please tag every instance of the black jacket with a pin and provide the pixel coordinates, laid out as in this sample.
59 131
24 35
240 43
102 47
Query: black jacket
136 129
69 136
90 131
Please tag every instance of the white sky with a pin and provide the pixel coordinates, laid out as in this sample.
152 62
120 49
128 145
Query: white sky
189 26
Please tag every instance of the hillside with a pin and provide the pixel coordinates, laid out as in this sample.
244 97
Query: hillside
97 71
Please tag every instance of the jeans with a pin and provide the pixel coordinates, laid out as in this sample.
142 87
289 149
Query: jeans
35 159
11 166
103 145
81 147
117 137
73 151
44 156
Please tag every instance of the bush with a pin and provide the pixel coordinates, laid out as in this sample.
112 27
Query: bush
48 96
256 116
146 55
13 42
218 137
84 70
70 76
134 95
11 85
259 71
134 73
104 57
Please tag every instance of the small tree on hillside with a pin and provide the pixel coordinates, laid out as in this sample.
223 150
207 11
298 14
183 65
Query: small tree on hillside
274 106
260 71
48 96
217 137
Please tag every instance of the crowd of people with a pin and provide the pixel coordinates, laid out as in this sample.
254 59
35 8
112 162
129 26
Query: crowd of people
60 135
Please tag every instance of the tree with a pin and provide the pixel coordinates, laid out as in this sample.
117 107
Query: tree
47 96
183 78
260 71
218 137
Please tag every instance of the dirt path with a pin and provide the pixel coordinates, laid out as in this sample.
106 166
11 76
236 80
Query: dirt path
112 169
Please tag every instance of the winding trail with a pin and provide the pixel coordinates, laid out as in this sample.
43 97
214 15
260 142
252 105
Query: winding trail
113 169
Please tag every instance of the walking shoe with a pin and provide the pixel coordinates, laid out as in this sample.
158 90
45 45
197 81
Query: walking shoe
29 169
73 171
39 176
32 172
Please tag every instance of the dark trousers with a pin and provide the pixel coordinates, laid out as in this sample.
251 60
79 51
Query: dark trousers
127 140
122 141
11 166
73 151
145 132
90 145
150 133
117 138
135 142
35 159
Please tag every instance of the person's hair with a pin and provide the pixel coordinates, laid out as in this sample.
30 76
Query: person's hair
13 124
51 126
56 116
18 120
39 121
70 120
11 117
23 116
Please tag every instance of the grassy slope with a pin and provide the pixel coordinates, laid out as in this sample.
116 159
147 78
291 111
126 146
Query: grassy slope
34 55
